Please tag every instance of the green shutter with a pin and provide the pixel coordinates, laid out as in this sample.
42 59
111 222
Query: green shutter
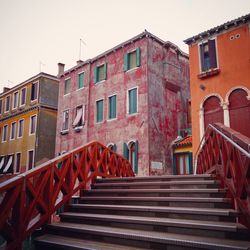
136 157
125 151
126 66
138 57
114 107
132 101
99 111
95 75
114 148
190 155
105 71
174 165
80 80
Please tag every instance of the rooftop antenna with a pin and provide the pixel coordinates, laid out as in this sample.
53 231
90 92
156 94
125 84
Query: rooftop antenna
80 49
40 66
10 82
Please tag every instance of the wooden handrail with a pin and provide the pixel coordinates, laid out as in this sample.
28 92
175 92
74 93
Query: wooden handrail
28 200
226 153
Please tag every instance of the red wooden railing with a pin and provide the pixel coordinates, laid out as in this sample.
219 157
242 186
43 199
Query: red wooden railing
28 200
226 153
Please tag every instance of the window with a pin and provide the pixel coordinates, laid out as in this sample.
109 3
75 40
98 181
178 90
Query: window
67 84
208 55
30 159
132 59
81 80
65 125
100 73
112 146
20 128
5 133
2 160
34 91
112 107
9 164
1 106
79 118
99 111
7 104
33 124
18 162
132 101
13 131
15 100
23 97
130 152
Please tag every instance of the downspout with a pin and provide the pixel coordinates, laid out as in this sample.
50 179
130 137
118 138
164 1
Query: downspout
87 109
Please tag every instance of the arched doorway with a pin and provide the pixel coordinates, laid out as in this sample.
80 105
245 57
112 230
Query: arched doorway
213 111
239 111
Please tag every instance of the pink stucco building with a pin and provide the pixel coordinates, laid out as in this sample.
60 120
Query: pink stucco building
132 98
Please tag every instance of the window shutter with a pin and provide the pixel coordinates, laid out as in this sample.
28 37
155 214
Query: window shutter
126 61
114 148
95 75
202 56
125 151
212 54
174 165
105 71
114 107
190 155
138 57
136 156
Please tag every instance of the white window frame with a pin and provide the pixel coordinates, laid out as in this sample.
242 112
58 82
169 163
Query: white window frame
82 72
111 119
101 99
11 139
18 128
20 99
65 130
33 160
37 92
137 96
13 100
6 125
31 126
5 104
15 164
64 86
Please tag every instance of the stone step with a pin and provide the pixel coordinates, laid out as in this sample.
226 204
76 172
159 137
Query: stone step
195 192
158 184
160 201
143 239
212 214
192 227
156 178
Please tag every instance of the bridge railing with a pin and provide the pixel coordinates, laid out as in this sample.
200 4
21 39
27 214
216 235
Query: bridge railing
28 200
226 153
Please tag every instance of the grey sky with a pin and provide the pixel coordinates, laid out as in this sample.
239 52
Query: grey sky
49 30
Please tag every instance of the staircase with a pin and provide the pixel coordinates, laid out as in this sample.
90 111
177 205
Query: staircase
164 212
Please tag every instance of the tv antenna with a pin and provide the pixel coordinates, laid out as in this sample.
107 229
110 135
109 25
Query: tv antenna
40 66
80 49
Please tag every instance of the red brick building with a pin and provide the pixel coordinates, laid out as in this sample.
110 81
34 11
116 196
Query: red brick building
132 98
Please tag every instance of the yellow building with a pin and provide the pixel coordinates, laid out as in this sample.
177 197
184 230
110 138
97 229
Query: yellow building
28 115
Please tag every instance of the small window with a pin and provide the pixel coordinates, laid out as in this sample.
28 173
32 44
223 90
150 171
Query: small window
132 101
18 162
33 124
15 100
5 133
30 159
23 97
208 55
132 59
34 91
7 104
65 124
1 106
100 73
13 131
9 164
20 128
99 111
81 80
112 107
130 152
67 84
79 118
2 160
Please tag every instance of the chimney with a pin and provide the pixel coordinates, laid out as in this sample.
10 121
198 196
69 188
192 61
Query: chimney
60 68
5 89
79 62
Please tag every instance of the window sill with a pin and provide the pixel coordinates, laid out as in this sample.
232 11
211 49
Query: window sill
111 119
78 129
208 73
66 94
64 132
132 114
102 81
80 88
132 69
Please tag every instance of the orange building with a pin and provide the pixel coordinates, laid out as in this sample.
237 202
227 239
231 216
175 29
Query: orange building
220 77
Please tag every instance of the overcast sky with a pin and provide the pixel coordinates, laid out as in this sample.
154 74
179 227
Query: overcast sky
49 31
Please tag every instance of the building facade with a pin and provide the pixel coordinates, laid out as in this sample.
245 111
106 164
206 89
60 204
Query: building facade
220 77
28 114
132 98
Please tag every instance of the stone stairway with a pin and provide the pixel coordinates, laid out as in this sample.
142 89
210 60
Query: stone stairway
166 212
